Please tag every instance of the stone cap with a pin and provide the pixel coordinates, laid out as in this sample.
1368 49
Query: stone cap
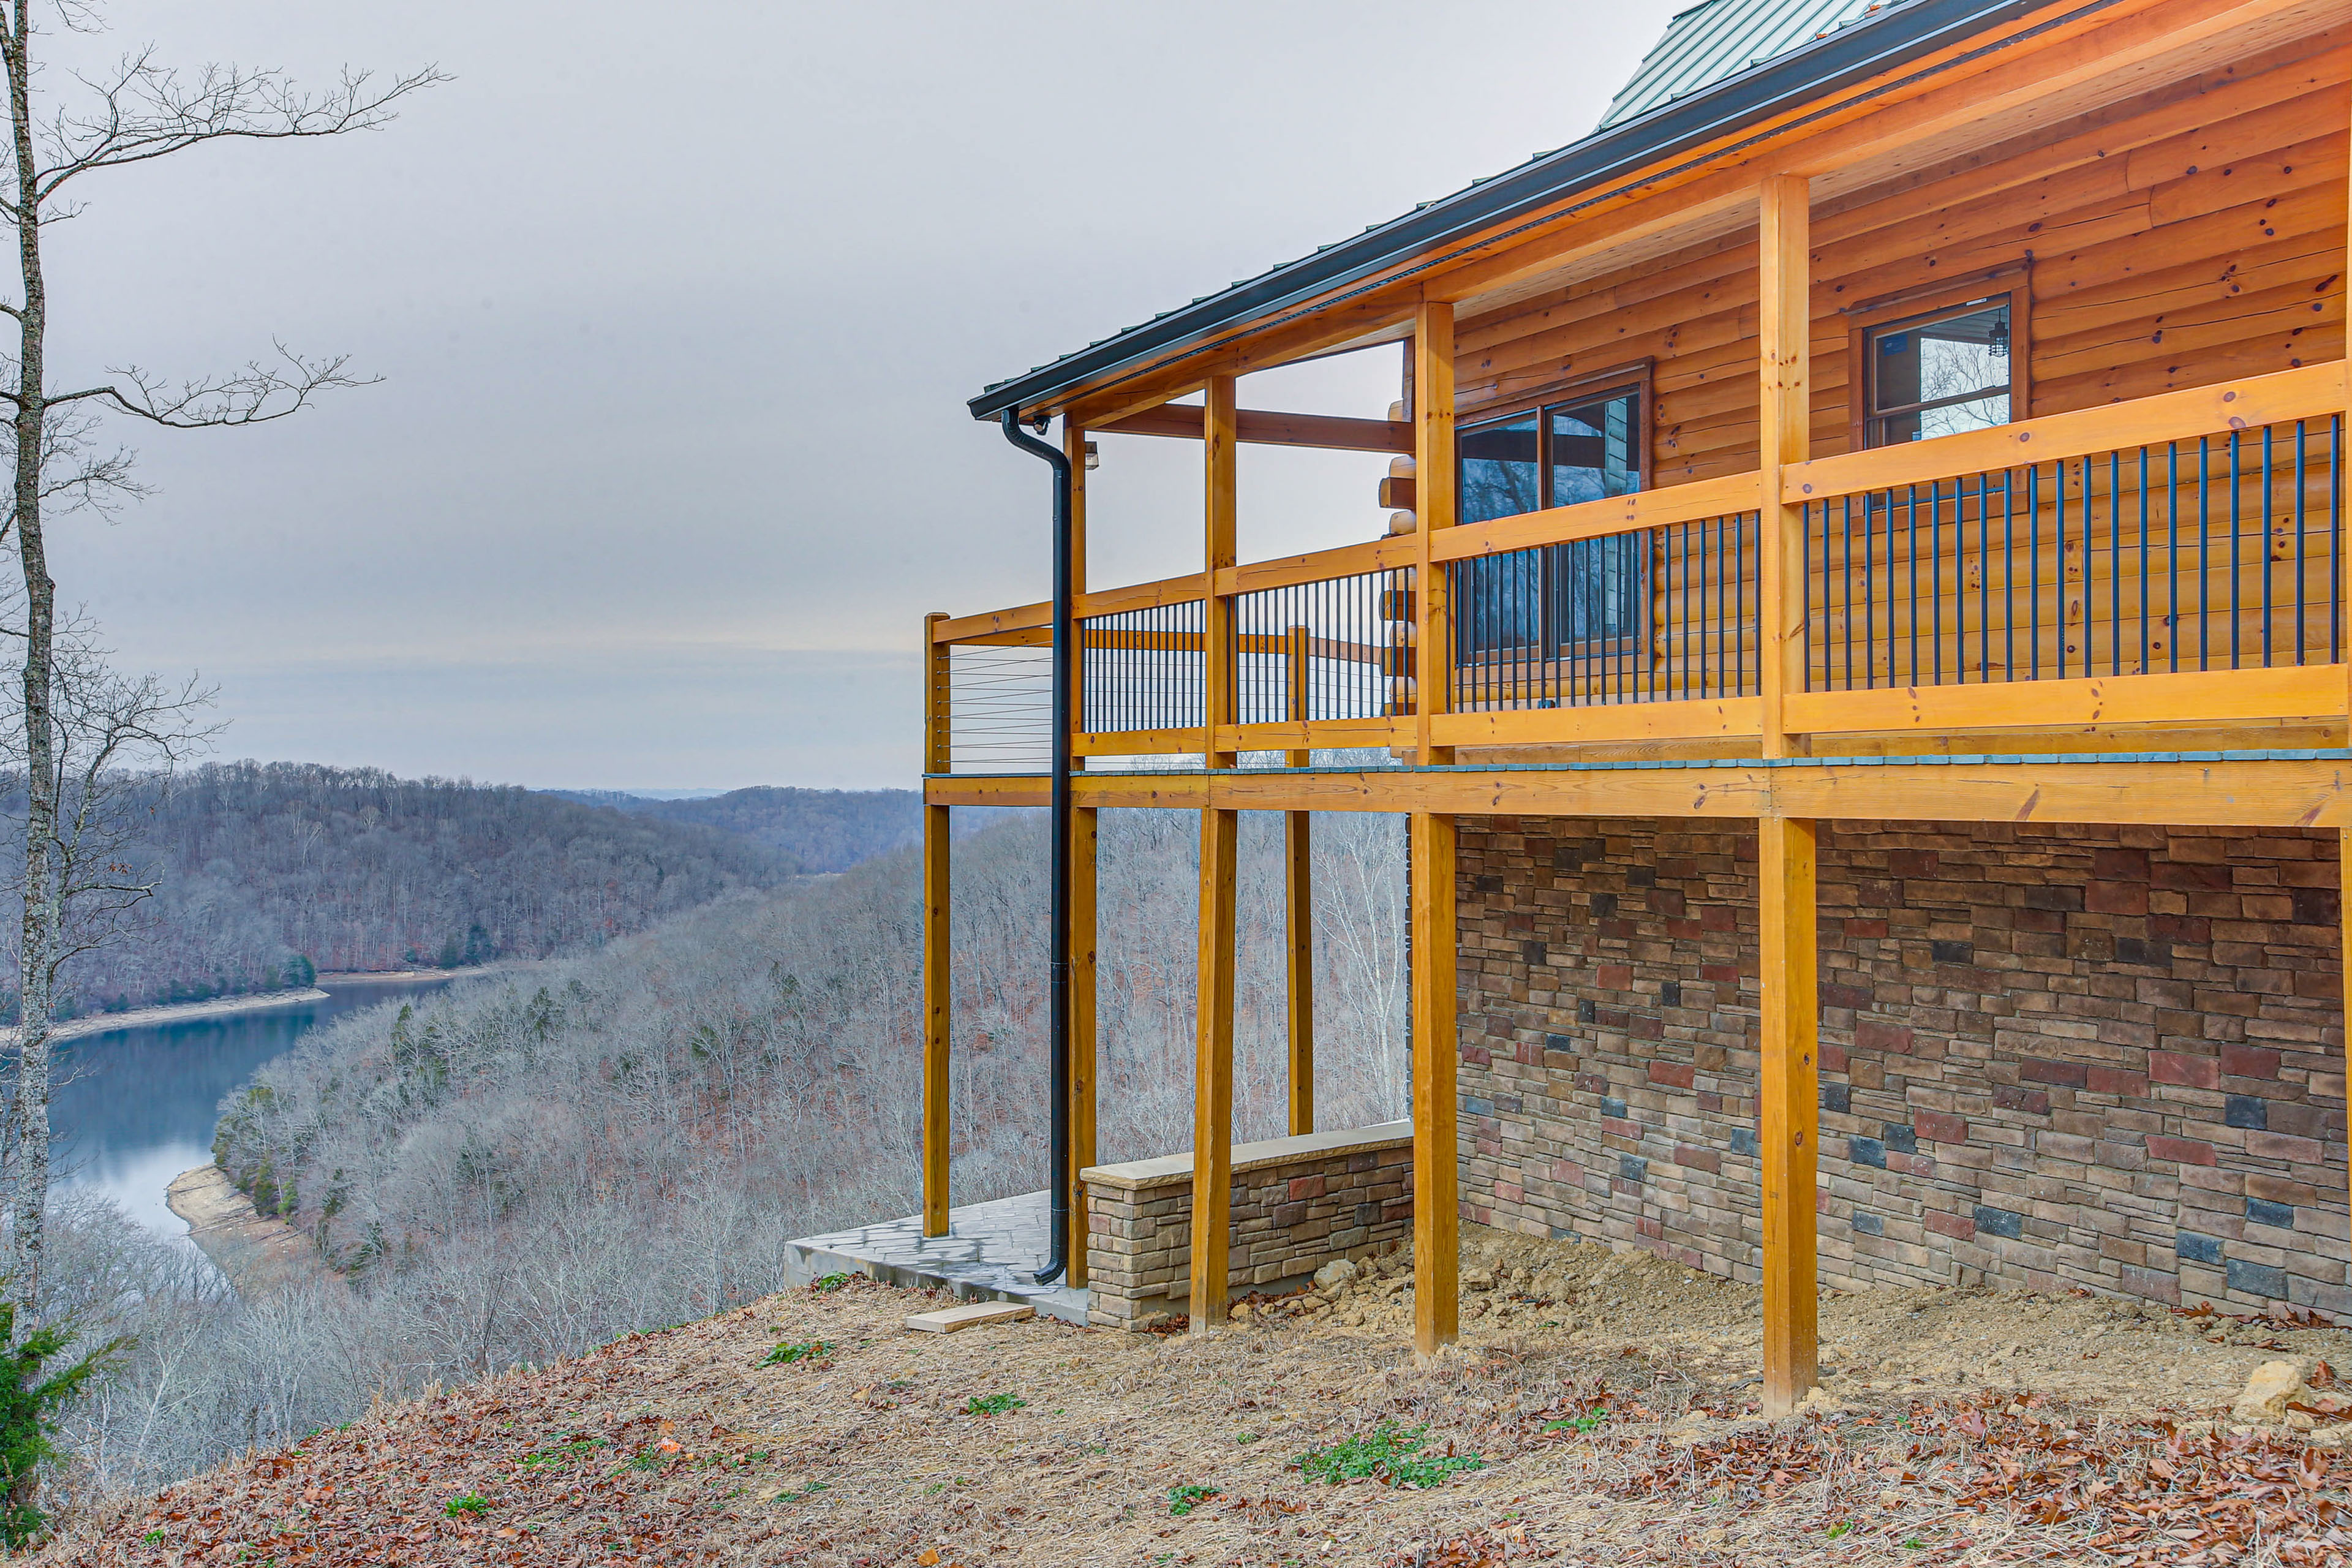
1176 1170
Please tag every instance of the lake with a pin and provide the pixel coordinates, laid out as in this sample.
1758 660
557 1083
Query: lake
136 1106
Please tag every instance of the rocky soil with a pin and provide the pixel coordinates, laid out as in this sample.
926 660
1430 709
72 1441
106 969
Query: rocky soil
1600 1410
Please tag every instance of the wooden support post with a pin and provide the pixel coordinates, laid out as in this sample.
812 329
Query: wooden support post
1436 1173
2344 925
1213 1073
936 756
1298 904
1074 447
1784 328
1790 1081
1083 922
1221 448
1436 504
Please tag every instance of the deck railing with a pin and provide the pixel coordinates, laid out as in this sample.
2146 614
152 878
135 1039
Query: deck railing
2117 561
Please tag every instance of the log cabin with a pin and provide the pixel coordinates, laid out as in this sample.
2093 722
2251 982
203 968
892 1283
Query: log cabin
1858 637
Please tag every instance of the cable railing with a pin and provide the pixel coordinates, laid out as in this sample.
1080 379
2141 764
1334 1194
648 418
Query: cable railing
2214 552
1001 703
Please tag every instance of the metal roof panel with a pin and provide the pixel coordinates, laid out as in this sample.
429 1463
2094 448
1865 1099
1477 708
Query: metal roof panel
1720 39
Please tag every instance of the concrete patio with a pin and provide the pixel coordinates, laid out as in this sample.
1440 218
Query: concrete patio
990 1253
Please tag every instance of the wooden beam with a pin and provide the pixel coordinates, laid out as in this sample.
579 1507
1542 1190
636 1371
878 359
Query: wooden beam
1212 1074
1703 499
1436 1169
1084 842
1784 362
2308 392
1602 723
1790 1081
936 1016
1440 479
1258 426
2219 697
1220 551
2289 793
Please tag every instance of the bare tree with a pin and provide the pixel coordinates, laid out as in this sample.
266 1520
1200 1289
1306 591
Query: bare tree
136 112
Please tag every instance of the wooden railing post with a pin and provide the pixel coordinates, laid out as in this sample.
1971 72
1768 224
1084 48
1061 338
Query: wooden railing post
1298 903
1213 1073
937 759
1789 1108
1436 505
1223 449
1436 1174
1784 352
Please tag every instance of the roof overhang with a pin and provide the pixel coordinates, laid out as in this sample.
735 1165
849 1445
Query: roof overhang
1773 90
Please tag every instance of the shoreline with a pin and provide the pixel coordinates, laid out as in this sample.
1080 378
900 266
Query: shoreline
180 1012
254 1253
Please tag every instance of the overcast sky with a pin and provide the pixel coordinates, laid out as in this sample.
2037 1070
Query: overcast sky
677 308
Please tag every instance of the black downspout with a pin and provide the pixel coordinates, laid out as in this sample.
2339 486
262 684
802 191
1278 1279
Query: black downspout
1058 962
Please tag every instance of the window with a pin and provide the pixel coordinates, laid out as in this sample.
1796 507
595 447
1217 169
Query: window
1936 374
1584 447
1584 450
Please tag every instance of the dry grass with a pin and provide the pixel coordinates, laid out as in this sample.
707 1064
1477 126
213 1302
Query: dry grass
681 1446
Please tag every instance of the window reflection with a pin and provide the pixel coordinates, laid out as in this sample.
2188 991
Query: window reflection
1580 449
1939 375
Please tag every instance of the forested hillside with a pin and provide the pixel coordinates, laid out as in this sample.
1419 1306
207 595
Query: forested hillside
821 830
535 1162
266 872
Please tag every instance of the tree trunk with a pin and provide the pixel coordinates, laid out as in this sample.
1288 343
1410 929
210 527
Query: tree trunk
37 956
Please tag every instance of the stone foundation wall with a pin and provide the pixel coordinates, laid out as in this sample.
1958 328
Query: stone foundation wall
1297 1204
2051 1055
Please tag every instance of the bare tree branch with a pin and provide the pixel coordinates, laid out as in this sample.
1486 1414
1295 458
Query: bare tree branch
254 395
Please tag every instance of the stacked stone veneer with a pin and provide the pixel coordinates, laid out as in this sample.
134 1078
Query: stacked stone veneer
2051 1055
1297 1204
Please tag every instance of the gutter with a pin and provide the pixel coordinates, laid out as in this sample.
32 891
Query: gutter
1844 59
1058 918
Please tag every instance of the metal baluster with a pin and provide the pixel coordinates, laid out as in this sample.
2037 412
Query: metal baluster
2204 551
2115 563
2301 486
2033 569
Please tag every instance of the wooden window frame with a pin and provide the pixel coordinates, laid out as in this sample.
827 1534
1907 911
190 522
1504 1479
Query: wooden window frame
1633 373
2015 280
1637 375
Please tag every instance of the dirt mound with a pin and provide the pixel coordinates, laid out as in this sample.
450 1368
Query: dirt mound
2123 1355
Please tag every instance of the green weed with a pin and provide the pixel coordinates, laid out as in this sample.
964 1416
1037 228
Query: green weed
792 1350
830 1282
1577 1423
1388 1453
1839 1527
474 1503
992 1404
563 1455
1183 1499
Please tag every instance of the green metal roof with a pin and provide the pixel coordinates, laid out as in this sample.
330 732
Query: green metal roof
1720 39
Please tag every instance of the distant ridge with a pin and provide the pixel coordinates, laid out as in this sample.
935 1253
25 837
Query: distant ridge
820 829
